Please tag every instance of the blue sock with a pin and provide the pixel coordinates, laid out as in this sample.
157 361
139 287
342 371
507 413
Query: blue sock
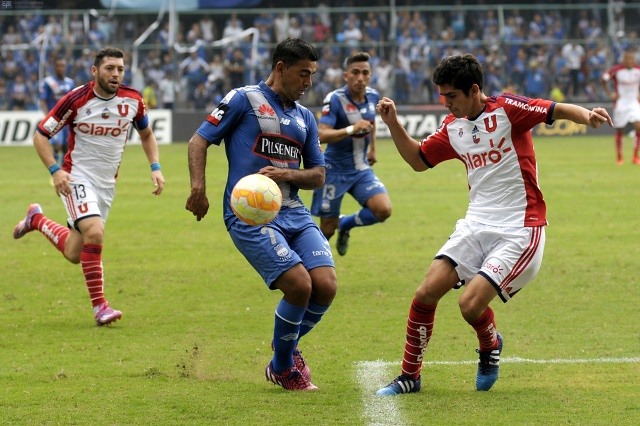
364 217
285 334
312 316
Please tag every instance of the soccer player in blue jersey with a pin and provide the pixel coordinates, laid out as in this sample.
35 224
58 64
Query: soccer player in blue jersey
266 131
347 126
52 89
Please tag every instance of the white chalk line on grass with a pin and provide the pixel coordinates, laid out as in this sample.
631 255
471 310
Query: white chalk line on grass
383 411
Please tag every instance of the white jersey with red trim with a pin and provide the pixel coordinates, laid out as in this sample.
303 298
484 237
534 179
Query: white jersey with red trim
99 129
497 150
626 82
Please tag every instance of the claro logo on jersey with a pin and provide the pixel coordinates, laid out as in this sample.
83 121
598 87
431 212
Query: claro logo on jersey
100 130
277 147
493 156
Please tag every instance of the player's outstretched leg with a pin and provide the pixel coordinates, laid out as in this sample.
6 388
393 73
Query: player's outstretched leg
488 366
401 384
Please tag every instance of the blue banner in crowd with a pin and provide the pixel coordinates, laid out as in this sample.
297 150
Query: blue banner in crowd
181 4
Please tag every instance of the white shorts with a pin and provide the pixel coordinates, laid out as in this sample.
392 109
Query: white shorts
626 114
87 201
508 257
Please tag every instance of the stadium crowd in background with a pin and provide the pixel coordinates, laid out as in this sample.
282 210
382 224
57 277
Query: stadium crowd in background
559 54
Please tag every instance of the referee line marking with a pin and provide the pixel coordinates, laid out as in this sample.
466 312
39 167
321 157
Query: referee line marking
384 411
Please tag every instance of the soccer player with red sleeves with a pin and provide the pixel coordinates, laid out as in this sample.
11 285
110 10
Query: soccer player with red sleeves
497 248
99 115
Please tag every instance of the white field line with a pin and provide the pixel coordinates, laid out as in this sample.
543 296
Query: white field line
383 411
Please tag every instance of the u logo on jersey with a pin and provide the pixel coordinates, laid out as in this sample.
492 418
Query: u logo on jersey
490 127
83 208
123 110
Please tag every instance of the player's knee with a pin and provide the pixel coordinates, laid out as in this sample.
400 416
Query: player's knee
470 309
383 213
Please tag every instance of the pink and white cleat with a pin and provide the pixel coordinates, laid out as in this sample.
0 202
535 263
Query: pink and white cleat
105 315
24 226
290 379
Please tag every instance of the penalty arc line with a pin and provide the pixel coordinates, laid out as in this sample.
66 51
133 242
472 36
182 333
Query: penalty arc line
382 411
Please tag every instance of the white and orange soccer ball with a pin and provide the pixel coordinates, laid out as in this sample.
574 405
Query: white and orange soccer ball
256 199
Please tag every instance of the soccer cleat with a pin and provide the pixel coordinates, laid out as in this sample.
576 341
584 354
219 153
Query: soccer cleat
401 384
636 160
343 242
290 379
105 315
24 226
301 365
619 162
488 367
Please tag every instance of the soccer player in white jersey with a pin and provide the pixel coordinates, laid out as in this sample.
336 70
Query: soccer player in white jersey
626 106
99 115
496 249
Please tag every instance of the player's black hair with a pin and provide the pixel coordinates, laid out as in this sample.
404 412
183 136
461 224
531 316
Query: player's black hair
107 52
356 57
460 72
293 50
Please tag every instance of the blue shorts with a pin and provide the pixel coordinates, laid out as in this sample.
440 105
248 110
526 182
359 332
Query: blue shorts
361 184
61 138
292 237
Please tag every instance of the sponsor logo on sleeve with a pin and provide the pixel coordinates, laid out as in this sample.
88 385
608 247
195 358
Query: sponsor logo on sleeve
50 124
218 114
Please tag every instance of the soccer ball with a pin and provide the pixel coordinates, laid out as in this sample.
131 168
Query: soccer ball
256 199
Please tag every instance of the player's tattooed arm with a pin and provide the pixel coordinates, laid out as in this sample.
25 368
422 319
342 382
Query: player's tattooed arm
311 178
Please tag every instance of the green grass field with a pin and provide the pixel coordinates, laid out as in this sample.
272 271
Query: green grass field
195 337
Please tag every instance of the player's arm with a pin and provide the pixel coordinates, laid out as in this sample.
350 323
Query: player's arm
371 155
310 178
330 135
197 203
150 147
604 82
593 117
60 178
408 147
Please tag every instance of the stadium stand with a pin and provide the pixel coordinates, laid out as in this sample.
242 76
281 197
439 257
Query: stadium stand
522 46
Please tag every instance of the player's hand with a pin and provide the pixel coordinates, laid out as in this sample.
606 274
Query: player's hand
371 157
61 180
386 108
198 203
598 116
158 182
362 128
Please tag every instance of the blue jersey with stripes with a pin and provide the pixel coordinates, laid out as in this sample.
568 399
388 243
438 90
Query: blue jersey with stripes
52 89
339 110
259 131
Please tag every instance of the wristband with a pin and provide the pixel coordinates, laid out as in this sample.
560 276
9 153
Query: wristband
349 130
53 168
155 167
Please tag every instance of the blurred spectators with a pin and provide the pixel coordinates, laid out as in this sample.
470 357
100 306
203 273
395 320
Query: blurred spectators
530 51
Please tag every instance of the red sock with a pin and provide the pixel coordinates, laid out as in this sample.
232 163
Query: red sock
419 330
618 139
55 233
91 261
485 328
636 146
